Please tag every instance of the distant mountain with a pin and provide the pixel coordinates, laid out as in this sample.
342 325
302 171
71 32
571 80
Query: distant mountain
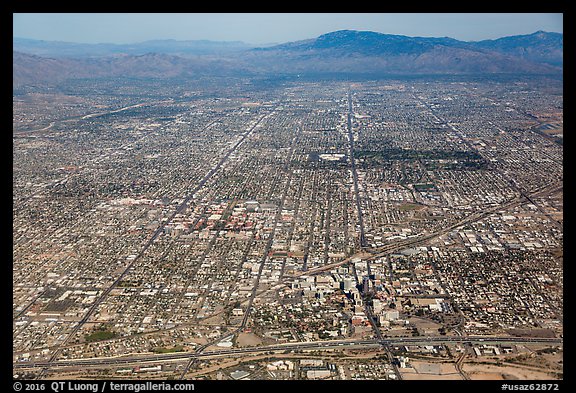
71 49
369 52
36 70
541 47
364 42
345 52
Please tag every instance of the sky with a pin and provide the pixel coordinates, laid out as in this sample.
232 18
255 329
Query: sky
267 28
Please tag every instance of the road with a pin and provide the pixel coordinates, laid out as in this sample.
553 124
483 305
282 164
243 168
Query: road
362 238
271 238
319 345
458 365
382 340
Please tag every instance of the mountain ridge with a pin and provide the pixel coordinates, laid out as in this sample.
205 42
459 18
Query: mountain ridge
82 50
351 50
360 40
346 52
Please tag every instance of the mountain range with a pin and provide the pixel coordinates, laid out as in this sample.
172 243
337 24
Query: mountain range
80 50
344 52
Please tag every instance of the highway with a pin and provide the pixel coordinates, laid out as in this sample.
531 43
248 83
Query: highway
313 345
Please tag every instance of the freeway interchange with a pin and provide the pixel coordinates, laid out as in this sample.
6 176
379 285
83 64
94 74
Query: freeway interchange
319 345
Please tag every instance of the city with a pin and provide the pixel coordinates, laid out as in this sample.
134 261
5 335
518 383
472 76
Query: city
290 229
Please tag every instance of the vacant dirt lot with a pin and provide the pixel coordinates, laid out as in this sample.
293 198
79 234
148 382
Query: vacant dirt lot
430 371
248 340
493 372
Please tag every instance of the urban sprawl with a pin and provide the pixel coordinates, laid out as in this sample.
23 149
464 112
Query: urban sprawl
241 229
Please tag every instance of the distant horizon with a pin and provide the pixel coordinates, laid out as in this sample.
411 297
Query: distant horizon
269 29
270 43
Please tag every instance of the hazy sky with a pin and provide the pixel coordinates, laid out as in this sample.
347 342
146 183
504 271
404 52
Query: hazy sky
262 28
